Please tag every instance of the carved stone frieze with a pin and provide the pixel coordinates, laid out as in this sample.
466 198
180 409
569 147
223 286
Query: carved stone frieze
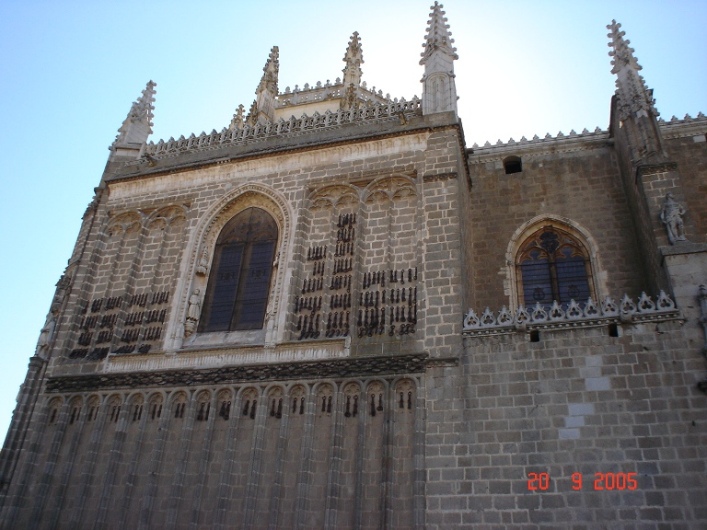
574 314
369 111
336 368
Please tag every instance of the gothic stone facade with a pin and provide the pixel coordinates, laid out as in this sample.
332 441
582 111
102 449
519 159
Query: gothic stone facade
270 327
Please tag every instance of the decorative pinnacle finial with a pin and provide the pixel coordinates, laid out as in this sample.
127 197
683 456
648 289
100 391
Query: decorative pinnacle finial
238 119
138 124
622 54
634 96
439 91
270 73
353 59
438 36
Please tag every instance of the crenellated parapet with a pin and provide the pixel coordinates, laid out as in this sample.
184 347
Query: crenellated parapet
560 140
688 126
683 127
574 314
373 113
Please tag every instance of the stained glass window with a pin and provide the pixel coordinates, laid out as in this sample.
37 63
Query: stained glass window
553 265
239 284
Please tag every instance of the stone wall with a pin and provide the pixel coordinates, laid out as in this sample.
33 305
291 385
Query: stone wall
308 453
575 401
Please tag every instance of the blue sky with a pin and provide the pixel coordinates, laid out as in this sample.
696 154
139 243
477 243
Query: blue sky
70 70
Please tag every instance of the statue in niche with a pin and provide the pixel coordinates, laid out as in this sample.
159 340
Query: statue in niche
193 313
203 267
671 216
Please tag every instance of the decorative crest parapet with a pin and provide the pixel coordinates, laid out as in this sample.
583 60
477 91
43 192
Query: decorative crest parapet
535 140
682 127
292 127
328 90
669 126
687 119
574 314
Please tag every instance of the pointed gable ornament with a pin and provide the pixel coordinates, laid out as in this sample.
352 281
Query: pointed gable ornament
439 92
136 128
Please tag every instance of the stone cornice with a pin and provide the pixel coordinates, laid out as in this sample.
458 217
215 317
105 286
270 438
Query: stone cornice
683 247
334 368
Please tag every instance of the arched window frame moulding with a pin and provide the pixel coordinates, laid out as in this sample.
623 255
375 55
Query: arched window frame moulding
202 244
523 232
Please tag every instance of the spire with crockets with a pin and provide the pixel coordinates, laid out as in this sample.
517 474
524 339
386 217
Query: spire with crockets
634 97
634 100
353 59
439 92
263 108
137 126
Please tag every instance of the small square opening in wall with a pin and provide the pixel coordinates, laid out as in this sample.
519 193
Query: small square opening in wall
613 329
512 164
534 335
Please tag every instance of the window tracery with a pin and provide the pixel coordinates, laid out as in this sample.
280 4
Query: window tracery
553 265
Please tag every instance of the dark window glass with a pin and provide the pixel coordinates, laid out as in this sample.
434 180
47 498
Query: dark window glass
553 265
237 293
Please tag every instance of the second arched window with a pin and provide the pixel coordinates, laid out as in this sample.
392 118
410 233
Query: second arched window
239 284
552 265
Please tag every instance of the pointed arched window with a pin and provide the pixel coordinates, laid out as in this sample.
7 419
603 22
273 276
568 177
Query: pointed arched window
552 265
239 284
